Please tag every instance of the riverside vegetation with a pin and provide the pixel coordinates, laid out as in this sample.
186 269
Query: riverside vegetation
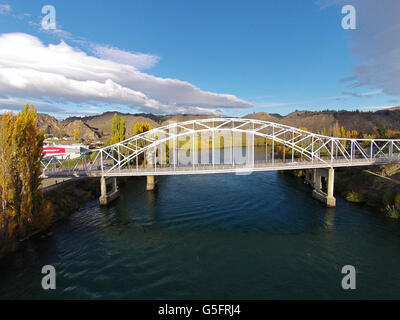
23 207
377 187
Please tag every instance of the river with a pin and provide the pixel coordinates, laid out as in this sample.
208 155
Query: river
223 236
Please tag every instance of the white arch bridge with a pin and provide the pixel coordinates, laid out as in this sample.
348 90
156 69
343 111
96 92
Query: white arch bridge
223 145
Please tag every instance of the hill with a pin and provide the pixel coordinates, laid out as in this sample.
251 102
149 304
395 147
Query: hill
51 125
95 127
316 121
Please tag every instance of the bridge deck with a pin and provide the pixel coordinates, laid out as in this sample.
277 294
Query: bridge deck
223 168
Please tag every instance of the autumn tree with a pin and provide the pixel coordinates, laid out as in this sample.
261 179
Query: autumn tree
139 128
76 134
7 191
342 132
22 202
28 143
118 129
354 134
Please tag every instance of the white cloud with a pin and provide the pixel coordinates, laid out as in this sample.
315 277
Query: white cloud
138 60
378 107
5 9
376 41
61 73
368 94
4 111
16 104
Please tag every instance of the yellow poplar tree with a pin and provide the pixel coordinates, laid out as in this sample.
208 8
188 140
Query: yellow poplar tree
76 134
28 144
139 128
121 129
7 192
114 130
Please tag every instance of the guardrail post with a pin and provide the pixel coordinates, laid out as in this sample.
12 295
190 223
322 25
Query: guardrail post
101 161
273 144
312 149
372 149
351 150
293 144
119 159
253 146
213 144
193 151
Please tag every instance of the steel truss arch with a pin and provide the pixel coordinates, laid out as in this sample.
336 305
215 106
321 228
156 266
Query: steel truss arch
318 150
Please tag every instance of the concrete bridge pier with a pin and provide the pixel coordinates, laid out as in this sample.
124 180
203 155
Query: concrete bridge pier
113 193
327 198
151 160
151 183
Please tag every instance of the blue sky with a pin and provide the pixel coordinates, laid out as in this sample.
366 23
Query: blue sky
274 56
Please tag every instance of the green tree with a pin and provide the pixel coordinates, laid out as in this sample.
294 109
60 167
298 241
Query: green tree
122 129
117 130
397 201
382 131
342 132
114 132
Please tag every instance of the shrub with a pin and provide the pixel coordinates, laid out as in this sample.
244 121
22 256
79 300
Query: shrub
397 201
388 197
392 212
355 197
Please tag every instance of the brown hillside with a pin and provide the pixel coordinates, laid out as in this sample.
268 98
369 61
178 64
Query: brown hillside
262 116
95 126
360 121
83 129
51 125
184 117
102 123
316 121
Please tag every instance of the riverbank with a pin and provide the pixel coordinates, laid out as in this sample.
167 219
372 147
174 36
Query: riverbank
377 187
65 198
